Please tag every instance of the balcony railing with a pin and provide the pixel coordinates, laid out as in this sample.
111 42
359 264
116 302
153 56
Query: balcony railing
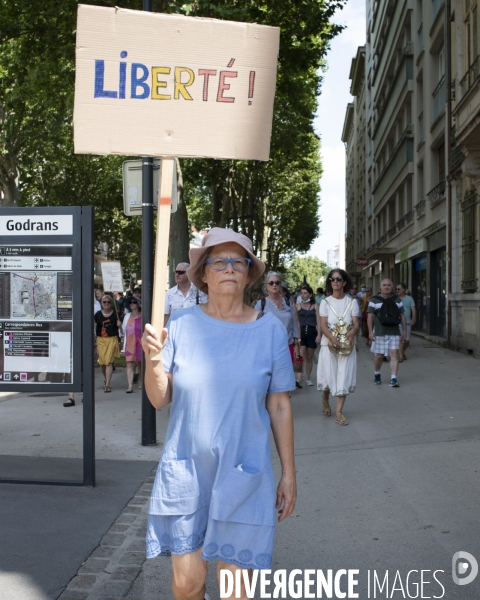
439 99
420 208
437 193
421 128
405 220
470 76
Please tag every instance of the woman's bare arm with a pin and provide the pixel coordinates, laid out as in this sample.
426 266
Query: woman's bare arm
281 419
158 383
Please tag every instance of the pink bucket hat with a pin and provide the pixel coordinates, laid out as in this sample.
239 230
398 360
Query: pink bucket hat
216 236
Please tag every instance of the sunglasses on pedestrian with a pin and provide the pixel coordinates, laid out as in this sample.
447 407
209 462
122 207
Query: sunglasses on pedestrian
106 302
338 279
133 302
180 272
274 283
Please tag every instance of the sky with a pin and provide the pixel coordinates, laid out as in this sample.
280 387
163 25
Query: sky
335 95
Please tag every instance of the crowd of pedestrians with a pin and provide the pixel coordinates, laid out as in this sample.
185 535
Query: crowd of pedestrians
311 320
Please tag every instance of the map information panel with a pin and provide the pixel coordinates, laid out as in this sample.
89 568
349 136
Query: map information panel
36 314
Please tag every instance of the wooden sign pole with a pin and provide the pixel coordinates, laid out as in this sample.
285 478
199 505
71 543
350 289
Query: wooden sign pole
161 246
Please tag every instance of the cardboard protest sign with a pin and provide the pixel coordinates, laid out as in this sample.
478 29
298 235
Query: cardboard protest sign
112 276
152 84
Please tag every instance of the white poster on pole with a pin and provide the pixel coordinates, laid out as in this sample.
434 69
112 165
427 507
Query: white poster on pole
152 84
112 276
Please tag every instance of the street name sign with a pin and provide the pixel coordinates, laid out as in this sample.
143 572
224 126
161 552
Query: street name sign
46 310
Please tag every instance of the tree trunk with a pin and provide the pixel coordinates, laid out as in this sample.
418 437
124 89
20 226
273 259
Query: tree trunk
10 193
179 242
9 180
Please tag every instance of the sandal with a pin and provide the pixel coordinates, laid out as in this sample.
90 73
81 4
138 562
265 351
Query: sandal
340 419
129 391
107 389
327 411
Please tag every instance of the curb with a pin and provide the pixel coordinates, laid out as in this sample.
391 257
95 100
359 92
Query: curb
110 571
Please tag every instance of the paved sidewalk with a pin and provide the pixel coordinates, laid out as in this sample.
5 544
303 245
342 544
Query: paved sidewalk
397 489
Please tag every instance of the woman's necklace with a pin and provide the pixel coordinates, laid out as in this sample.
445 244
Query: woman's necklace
107 314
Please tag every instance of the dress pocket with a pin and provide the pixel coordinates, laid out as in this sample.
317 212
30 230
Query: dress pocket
244 497
176 490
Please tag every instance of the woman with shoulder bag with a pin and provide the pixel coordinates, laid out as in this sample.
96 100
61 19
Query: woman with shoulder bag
337 363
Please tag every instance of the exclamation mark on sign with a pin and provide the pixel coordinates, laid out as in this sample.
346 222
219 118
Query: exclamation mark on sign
251 86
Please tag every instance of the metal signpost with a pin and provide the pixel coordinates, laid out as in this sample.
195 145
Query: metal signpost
46 311
132 186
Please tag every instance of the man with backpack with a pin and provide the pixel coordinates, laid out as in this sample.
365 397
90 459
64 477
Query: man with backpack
385 314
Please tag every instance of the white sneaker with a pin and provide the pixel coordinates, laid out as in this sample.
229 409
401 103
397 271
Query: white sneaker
309 382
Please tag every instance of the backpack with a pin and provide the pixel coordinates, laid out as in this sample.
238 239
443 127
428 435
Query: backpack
389 314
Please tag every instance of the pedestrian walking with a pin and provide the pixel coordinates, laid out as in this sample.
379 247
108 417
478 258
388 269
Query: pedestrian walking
107 330
320 295
132 342
309 327
285 292
385 314
337 361
227 370
283 309
410 318
367 296
183 294
120 304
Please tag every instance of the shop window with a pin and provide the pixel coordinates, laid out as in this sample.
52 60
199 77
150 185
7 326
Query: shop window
469 241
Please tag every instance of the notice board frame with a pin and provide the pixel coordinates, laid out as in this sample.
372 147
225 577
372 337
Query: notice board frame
81 240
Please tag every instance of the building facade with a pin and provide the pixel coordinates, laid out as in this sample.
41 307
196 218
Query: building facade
414 215
336 255
401 226
354 137
464 179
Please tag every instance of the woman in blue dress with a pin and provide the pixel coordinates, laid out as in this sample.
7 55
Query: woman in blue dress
227 371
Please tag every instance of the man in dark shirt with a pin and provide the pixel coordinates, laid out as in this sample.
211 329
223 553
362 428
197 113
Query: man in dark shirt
385 337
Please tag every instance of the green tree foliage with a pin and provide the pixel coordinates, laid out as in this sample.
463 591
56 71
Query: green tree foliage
275 203
311 267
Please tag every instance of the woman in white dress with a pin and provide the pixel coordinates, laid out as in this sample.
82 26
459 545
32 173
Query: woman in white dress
337 373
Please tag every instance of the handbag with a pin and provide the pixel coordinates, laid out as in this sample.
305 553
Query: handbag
339 332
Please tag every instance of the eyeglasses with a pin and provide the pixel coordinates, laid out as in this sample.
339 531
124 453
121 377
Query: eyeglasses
336 279
274 283
180 272
105 302
220 264
133 302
